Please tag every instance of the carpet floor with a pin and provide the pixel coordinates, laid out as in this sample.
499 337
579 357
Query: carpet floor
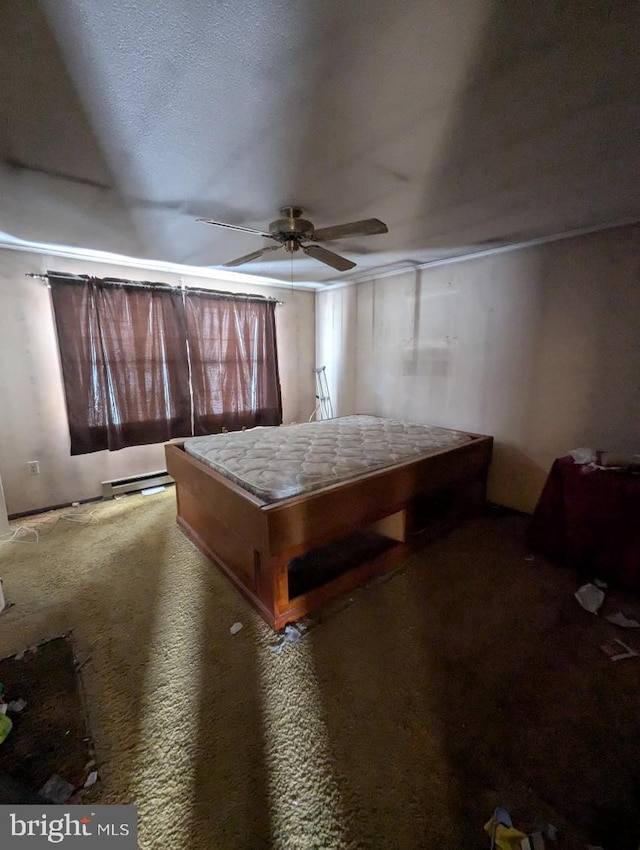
468 680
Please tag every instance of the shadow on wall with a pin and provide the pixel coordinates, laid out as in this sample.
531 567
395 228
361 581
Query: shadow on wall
515 479
529 346
521 144
613 394
587 389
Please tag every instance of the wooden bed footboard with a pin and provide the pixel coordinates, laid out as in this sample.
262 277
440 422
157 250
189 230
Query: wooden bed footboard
255 543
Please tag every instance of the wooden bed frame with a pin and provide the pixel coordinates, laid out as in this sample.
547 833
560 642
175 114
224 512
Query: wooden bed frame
252 541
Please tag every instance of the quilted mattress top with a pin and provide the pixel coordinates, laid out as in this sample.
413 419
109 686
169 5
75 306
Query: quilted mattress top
279 462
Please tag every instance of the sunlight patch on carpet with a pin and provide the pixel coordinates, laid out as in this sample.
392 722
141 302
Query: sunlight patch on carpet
163 777
306 808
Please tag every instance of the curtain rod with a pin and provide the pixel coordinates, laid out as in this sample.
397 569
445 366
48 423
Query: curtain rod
146 284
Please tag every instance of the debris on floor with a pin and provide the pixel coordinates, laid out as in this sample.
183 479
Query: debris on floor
292 634
56 789
91 779
16 706
534 841
505 836
548 830
502 832
590 597
617 650
6 725
83 517
4 605
235 628
620 619
15 535
82 660
151 491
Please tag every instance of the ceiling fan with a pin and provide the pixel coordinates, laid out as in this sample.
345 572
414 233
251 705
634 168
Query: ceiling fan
291 231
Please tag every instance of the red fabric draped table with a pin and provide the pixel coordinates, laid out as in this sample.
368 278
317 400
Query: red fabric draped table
589 518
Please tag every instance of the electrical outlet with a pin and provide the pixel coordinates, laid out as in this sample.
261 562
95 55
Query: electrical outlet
34 467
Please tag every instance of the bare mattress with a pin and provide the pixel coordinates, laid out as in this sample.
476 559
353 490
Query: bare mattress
279 462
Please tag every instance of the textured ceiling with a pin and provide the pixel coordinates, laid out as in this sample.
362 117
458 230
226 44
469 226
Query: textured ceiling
460 123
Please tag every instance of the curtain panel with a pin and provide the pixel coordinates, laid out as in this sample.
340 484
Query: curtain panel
234 366
143 364
124 364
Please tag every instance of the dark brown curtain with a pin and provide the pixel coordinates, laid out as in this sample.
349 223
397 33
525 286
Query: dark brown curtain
234 364
124 363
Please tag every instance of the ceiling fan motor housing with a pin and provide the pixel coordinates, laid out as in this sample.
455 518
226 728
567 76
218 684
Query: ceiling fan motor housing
293 228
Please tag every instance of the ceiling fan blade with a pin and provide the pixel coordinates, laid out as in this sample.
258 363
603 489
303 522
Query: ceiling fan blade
366 227
252 256
328 257
235 227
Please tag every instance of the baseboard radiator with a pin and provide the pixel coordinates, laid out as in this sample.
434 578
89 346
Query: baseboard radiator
119 486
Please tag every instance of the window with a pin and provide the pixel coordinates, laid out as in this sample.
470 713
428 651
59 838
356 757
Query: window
146 363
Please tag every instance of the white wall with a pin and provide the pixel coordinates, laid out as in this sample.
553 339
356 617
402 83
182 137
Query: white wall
33 422
538 347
